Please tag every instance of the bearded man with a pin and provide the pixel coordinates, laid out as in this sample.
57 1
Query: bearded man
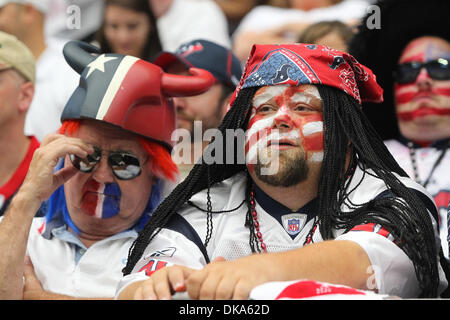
319 197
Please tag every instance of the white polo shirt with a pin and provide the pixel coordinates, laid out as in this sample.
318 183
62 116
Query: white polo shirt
65 266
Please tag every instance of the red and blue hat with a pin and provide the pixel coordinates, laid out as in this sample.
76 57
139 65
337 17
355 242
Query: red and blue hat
297 64
207 55
128 92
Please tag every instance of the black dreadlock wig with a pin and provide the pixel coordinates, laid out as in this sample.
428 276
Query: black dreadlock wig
402 213
401 21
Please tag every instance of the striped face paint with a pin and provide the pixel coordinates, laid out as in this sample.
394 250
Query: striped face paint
285 117
100 200
425 96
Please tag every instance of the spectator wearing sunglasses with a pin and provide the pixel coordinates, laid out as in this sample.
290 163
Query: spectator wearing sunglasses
100 179
414 71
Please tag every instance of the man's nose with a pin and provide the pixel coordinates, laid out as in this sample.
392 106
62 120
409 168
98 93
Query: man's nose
102 172
424 80
283 120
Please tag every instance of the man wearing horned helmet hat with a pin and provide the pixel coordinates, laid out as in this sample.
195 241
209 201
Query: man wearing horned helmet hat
101 178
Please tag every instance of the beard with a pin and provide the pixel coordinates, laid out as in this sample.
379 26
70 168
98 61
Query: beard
291 169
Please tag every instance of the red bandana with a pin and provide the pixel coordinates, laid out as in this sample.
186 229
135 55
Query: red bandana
298 64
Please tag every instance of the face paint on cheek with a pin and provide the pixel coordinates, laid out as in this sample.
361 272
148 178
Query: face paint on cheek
423 109
404 93
312 131
101 200
442 92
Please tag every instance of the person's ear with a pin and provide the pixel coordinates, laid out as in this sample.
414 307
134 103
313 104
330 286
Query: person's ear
26 96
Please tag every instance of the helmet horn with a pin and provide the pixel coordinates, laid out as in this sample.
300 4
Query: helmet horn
78 54
176 85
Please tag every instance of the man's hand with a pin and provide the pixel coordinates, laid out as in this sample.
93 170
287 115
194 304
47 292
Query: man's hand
41 180
163 283
222 279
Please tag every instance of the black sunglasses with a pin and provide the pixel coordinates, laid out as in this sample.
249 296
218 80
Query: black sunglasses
125 166
408 72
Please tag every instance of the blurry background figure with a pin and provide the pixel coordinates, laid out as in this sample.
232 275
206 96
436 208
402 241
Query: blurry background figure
410 56
17 73
271 25
235 10
55 80
129 28
74 19
180 21
209 107
334 34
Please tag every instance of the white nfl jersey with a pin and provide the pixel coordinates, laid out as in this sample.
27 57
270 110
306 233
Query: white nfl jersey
181 241
439 183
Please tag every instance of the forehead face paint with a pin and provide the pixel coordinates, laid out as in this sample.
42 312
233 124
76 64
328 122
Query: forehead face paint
286 115
100 200
425 96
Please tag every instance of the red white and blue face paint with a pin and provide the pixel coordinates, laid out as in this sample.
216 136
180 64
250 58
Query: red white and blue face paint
424 103
285 117
425 96
100 200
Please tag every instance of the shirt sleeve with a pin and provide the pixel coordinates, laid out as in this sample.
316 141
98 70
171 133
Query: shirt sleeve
168 248
393 271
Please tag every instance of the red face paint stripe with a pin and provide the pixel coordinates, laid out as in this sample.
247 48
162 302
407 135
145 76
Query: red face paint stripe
405 97
90 198
409 96
313 142
442 91
422 112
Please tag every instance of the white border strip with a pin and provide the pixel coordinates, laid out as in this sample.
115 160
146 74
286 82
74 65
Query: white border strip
114 85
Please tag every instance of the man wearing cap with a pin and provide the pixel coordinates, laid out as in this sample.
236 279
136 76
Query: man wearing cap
16 93
100 179
337 208
197 114
55 80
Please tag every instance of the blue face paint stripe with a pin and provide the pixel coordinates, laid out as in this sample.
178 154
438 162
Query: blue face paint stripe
111 200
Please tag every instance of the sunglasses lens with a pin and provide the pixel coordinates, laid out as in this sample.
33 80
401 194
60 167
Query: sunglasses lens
439 69
84 165
407 72
87 164
125 166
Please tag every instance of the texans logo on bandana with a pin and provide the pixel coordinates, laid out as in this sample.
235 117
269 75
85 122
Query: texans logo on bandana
281 66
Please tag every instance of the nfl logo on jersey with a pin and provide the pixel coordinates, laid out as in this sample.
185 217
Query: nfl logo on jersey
293 223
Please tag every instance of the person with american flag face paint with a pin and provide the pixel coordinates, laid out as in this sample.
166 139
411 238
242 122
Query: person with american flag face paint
414 119
336 208
99 179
